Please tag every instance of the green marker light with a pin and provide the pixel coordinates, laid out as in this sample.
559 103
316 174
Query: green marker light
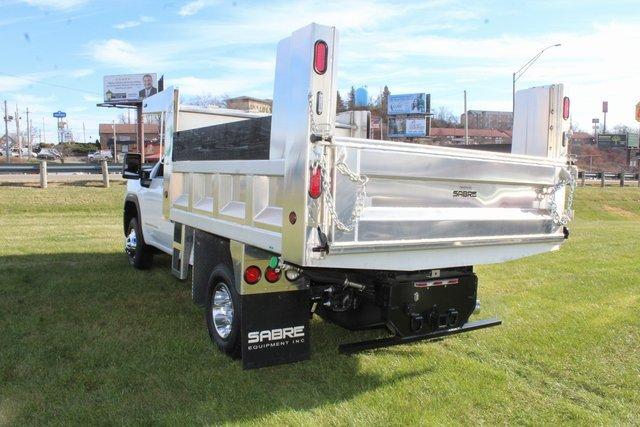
273 262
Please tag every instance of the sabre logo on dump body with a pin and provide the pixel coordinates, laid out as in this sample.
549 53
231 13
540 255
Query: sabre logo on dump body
276 334
464 193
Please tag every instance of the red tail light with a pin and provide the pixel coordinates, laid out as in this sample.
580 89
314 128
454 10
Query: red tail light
320 57
315 182
271 275
566 105
252 275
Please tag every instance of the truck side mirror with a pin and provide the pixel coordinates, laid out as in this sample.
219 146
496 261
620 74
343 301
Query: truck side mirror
132 167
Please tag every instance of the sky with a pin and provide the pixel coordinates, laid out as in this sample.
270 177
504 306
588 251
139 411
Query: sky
56 52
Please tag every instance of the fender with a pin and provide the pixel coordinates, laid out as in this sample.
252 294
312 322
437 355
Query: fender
130 197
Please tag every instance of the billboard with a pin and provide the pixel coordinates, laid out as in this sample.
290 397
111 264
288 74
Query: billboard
129 88
609 140
411 103
402 126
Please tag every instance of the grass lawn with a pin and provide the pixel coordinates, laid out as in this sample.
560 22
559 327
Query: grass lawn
85 339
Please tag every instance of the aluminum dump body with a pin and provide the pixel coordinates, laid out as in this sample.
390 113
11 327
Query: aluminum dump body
384 205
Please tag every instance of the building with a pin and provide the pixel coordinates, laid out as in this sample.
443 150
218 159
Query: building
481 119
248 103
126 139
455 136
582 138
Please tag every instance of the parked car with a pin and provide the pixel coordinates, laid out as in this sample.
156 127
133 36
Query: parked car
15 152
99 156
49 154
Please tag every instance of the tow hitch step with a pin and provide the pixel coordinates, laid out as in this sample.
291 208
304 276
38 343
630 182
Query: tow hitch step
388 342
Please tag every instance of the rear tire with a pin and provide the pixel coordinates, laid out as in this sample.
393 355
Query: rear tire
223 312
139 253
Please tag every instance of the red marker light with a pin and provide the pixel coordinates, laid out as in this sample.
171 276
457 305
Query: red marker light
252 275
271 275
566 105
320 57
315 182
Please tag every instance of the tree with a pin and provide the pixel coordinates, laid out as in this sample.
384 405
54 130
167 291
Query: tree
123 118
207 100
340 107
384 101
444 118
623 129
351 100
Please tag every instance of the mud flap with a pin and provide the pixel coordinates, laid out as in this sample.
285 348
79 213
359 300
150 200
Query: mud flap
275 328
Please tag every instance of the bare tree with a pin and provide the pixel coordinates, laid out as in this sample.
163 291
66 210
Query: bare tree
444 118
207 100
623 129
123 118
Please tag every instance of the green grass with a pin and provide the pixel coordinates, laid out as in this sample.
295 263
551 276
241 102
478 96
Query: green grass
85 339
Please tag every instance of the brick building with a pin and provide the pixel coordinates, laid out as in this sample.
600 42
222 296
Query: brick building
482 119
455 136
126 139
248 103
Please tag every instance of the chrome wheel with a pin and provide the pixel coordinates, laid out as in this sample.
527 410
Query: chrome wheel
222 310
130 243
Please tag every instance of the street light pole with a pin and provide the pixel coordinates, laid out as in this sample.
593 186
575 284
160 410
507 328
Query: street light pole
522 70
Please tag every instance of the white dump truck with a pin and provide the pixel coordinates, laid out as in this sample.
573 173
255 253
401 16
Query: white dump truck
297 213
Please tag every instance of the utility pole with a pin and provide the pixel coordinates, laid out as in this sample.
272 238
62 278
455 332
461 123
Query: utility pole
18 133
6 131
466 120
28 132
43 135
84 134
605 110
115 150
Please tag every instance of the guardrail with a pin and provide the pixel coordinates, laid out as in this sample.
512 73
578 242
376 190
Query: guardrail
43 169
603 177
34 168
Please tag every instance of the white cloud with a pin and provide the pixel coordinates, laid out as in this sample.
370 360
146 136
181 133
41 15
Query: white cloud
119 53
127 24
233 86
134 23
191 8
11 84
56 4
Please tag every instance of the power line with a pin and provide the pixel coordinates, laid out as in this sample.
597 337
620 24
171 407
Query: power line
47 84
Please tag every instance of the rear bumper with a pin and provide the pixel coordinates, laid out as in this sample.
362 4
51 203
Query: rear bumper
388 342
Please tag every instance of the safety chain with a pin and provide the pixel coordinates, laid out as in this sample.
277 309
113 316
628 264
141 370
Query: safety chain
345 170
563 218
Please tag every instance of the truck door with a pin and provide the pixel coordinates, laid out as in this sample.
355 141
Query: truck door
157 230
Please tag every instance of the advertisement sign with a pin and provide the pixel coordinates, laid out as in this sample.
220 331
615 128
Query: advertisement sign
608 140
127 88
59 114
402 126
375 122
411 103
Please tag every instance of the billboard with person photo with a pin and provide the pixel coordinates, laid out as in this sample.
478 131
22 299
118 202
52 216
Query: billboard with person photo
129 88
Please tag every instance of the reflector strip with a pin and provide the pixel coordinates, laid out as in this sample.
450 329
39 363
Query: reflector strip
439 282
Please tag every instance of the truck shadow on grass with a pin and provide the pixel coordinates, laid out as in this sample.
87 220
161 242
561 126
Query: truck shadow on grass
87 339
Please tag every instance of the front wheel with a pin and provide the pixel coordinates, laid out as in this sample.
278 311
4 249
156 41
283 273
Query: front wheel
139 253
223 312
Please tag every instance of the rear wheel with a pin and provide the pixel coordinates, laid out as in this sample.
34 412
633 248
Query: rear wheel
139 253
223 312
